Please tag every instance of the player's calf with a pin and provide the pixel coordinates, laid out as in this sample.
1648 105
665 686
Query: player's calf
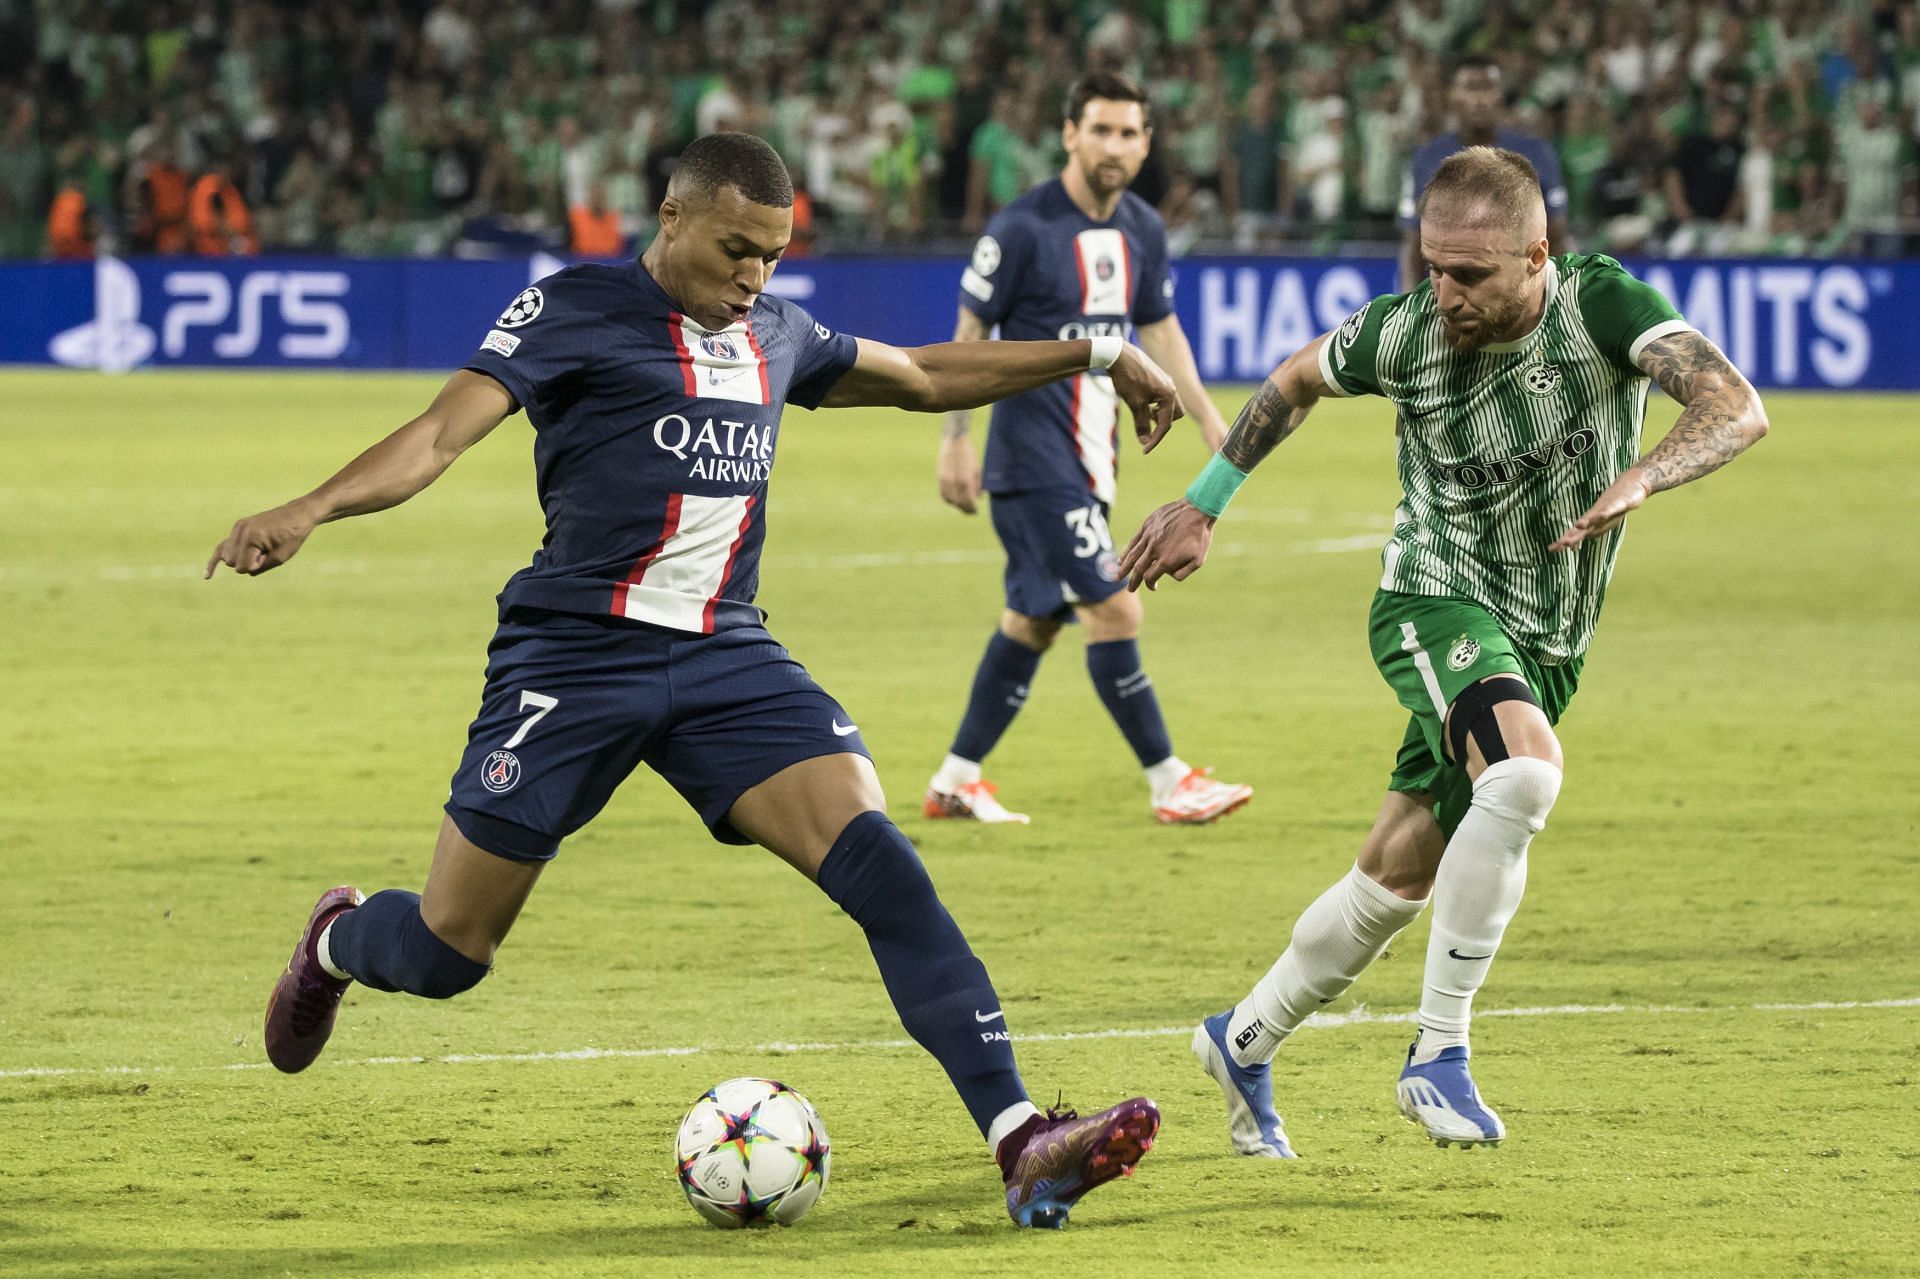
385 944
941 992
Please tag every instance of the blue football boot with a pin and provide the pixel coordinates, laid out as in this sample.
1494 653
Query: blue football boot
1251 1118
1439 1096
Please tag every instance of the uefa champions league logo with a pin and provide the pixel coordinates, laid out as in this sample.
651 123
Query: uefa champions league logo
523 309
720 346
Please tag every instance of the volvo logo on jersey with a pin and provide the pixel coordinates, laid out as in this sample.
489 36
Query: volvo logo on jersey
1505 470
718 449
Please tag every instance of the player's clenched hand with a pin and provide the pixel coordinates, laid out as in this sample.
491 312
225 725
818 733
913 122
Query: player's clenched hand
1623 495
1149 392
959 473
263 541
1173 542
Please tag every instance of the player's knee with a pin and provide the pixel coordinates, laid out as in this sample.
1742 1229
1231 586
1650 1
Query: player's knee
875 876
1036 633
1521 788
1115 618
426 966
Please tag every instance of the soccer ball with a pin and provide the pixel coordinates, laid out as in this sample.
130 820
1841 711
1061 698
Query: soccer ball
752 1152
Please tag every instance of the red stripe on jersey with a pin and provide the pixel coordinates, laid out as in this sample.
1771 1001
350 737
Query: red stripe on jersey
759 358
733 552
675 321
668 527
1073 420
1080 269
1126 274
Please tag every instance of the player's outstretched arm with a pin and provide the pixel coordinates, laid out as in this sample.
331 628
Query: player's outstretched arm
965 375
387 474
1173 541
1167 343
1722 419
958 468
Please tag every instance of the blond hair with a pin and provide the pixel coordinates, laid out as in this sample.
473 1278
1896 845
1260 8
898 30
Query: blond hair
1485 186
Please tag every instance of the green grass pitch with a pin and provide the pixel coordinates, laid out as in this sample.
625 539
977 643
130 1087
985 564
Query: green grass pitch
190 763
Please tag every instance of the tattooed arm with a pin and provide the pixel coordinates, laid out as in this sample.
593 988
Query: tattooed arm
1723 418
1173 541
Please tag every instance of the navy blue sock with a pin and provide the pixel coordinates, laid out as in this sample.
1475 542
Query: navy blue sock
941 992
1128 692
999 691
383 943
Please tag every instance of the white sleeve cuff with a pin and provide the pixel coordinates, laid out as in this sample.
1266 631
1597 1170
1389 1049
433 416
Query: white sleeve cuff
1326 369
1663 329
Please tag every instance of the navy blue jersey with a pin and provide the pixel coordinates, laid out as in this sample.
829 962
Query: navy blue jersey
1427 159
1045 270
654 441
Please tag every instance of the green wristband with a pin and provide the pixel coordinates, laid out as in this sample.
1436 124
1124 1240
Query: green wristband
1215 486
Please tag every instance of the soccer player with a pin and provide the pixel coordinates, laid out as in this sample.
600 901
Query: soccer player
1520 382
1479 105
655 390
1076 256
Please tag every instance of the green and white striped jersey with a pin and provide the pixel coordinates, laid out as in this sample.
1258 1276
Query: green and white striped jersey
1502 448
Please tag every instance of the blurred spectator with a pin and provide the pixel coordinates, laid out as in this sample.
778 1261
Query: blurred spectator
594 225
1320 167
1703 188
1619 196
1478 100
1874 174
71 225
1250 169
222 224
160 201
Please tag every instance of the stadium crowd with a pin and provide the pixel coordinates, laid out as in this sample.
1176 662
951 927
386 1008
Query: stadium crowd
469 126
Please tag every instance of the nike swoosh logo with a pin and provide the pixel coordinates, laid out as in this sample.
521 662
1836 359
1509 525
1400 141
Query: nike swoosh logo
1457 955
980 1016
841 730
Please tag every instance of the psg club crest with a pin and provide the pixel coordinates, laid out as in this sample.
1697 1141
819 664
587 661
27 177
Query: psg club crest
720 347
501 772
523 309
1103 269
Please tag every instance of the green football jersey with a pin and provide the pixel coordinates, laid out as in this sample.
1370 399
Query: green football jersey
1500 449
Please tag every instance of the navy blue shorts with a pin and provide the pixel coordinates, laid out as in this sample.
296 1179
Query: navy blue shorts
574 704
1059 550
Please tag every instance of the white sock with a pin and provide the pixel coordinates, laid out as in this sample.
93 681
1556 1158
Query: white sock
324 953
954 773
1334 940
1476 892
1164 776
1007 1120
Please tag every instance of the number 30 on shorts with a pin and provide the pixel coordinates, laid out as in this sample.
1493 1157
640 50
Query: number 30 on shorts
1090 527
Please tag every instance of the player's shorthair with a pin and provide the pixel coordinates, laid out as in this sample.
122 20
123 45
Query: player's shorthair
734 159
1109 85
1484 186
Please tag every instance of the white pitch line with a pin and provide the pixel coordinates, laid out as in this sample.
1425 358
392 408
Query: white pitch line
319 566
1360 1016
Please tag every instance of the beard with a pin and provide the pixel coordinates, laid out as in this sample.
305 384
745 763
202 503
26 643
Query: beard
1105 179
1495 318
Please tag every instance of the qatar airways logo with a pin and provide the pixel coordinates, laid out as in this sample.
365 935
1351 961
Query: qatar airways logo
718 449
1074 330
